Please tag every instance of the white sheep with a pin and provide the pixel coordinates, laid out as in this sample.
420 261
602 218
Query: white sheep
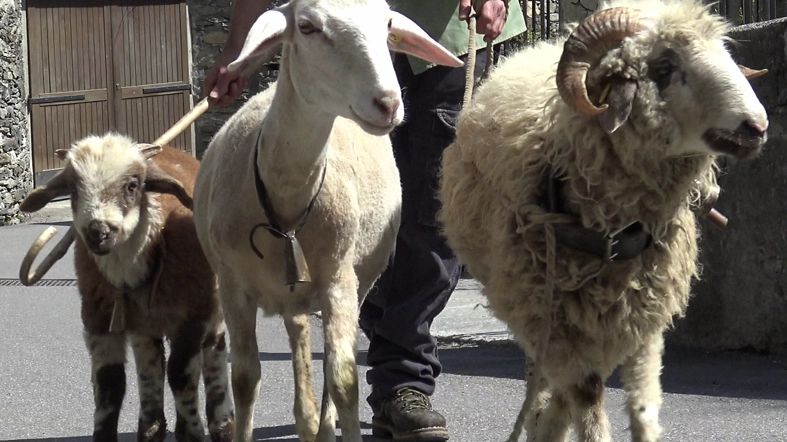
137 251
539 178
314 149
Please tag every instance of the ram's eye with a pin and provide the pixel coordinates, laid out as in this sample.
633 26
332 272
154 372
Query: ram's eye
390 23
306 27
132 186
663 68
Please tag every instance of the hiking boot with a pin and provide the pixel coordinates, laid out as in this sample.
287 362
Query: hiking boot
408 416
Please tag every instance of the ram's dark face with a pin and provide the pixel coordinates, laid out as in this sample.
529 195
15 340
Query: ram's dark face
709 98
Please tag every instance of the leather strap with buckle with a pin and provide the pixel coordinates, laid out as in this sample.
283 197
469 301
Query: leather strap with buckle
624 244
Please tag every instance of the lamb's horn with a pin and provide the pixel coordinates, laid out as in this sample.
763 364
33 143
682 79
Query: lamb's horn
587 44
29 278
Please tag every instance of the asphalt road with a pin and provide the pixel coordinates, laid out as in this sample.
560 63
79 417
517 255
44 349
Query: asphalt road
45 391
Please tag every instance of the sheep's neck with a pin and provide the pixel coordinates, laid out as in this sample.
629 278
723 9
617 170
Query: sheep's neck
652 196
129 264
292 151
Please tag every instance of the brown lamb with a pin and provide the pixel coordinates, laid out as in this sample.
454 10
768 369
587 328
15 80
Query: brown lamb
137 255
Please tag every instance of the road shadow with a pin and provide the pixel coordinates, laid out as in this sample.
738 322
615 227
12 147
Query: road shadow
122 437
287 432
731 374
283 431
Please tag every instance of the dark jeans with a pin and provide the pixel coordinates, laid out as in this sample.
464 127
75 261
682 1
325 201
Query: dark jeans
423 270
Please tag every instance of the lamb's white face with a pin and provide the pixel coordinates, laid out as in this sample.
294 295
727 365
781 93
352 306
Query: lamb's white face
350 67
709 98
109 174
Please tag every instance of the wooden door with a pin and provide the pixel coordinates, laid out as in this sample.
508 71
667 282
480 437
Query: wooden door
99 65
70 74
150 62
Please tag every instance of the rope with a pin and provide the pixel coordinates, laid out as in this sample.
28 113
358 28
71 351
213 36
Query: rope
471 55
528 216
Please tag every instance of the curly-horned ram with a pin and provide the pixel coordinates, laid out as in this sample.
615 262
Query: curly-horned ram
308 160
136 244
647 96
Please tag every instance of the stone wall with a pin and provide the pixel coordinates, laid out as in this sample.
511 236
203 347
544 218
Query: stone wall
15 165
210 21
741 301
573 11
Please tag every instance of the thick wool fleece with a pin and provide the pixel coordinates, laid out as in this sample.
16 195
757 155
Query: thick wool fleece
493 183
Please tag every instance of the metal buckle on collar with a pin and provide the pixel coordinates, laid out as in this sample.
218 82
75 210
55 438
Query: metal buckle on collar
612 241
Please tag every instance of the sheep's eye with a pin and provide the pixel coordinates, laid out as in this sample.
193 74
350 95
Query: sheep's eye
306 27
132 186
390 23
663 68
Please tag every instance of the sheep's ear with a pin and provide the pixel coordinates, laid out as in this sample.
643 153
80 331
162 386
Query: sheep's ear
406 36
620 97
149 150
156 180
264 36
59 185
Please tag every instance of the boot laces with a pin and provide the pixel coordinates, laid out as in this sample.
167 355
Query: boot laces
413 399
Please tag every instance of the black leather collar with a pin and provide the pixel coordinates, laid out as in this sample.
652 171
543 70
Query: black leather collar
297 270
625 244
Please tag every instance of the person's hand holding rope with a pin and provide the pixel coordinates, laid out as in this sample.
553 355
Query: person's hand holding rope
490 16
486 17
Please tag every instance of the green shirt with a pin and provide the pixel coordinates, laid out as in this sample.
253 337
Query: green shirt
440 19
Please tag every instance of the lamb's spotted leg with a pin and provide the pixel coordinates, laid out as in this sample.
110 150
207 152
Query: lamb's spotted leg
107 358
587 406
149 357
340 318
183 370
305 407
548 417
219 410
640 376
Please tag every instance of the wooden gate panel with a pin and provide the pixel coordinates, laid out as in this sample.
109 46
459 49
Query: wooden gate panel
99 65
69 97
153 76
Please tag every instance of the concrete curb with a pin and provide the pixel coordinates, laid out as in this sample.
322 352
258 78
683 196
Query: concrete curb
467 320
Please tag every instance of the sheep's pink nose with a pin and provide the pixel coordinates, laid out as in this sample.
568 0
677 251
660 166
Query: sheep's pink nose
388 105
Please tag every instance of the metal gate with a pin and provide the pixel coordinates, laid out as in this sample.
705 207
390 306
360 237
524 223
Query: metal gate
99 65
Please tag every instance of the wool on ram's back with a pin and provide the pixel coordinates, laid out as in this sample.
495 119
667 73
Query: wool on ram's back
577 315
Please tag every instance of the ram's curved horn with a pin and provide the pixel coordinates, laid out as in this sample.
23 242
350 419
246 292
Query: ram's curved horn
586 45
29 278
750 73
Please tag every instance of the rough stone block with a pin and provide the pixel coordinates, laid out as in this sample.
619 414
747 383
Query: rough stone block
741 301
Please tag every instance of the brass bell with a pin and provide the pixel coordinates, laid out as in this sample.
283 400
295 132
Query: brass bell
296 267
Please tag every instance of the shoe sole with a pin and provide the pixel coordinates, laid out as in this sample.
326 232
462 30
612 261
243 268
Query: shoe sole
384 431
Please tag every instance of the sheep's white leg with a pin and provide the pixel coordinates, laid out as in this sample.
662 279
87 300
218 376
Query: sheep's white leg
183 370
107 358
640 374
547 412
149 357
241 316
219 410
587 406
327 431
340 322
305 407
